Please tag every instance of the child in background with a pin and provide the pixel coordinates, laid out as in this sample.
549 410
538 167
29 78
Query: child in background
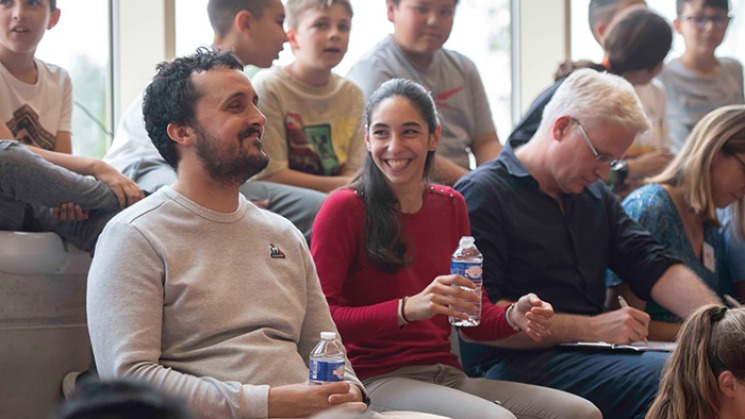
43 194
36 100
705 376
314 132
415 52
698 81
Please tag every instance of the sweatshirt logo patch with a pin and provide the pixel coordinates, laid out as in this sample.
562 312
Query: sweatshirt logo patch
275 252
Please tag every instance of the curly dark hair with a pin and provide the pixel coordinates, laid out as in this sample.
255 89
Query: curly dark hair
172 96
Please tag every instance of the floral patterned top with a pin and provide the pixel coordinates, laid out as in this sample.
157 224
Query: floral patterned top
653 208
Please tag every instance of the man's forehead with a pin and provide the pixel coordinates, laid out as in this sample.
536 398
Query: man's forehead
220 83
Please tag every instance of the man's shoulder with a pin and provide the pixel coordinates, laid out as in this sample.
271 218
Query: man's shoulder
486 181
142 211
268 221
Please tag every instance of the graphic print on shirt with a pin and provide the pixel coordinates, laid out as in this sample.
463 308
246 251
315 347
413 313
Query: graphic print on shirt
27 128
275 252
310 149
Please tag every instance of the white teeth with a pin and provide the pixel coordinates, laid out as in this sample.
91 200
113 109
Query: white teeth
398 163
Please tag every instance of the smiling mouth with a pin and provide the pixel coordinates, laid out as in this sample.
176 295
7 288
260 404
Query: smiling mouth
20 30
397 164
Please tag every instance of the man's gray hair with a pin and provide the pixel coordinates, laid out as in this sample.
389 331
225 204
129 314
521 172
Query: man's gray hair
588 94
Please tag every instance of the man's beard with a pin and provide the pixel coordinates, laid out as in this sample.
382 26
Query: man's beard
230 167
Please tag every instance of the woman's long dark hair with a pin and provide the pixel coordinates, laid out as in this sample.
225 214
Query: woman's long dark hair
384 240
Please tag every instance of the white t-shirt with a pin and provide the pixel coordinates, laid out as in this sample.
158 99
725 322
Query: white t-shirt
131 141
36 112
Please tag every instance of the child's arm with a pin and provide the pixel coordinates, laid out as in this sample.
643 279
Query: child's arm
125 189
5 133
63 143
306 180
486 147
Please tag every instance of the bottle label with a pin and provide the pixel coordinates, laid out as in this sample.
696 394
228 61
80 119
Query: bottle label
326 371
470 270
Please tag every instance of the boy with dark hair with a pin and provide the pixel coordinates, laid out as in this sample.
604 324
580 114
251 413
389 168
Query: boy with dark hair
314 132
698 81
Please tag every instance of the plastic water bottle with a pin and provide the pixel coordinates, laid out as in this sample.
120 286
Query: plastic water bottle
467 261
327 360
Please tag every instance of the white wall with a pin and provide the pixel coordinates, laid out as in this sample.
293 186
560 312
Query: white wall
144 38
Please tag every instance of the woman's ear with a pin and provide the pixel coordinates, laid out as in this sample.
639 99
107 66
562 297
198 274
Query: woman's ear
434 138
367 141
727 384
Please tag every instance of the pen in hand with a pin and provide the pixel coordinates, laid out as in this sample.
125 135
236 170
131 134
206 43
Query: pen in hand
731 301
623 303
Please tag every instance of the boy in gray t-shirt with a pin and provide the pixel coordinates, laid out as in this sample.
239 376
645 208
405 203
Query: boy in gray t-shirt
414 51
698 81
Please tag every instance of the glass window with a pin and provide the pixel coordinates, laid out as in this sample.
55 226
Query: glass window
481 32
81 44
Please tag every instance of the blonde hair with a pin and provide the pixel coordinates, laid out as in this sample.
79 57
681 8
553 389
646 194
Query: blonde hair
710 342
721 129
294 9
589 94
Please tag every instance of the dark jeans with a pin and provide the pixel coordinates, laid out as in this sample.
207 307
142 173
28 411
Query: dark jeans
621 384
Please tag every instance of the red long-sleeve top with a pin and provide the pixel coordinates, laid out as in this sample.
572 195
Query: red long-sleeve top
364 300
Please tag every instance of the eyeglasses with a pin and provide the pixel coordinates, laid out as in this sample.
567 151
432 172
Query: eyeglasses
599 157
700 21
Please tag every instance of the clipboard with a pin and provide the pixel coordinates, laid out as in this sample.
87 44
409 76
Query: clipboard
641 346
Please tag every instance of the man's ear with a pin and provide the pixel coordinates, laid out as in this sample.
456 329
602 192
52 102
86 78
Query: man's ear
54 18
561 126
181 134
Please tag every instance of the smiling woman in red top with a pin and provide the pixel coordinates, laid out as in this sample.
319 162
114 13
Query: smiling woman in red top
382 249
